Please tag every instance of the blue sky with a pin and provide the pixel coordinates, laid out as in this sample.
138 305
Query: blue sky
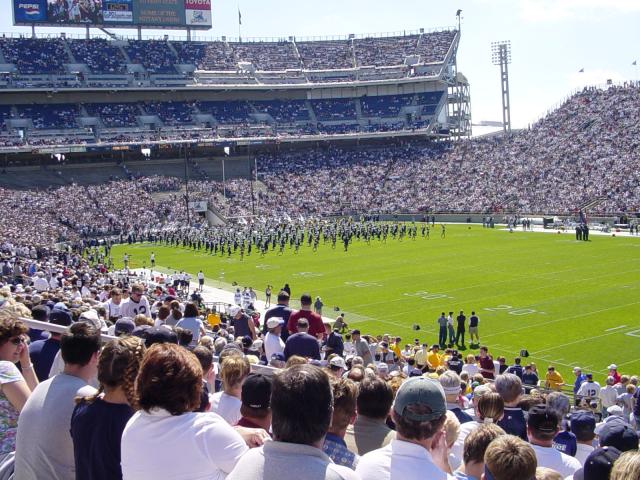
551 39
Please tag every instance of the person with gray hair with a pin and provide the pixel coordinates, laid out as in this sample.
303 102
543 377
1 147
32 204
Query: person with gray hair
509 386
608 395
219 344
450 382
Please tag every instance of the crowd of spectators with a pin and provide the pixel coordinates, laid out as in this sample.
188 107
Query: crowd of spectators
48 56
286 396
99 54
115 114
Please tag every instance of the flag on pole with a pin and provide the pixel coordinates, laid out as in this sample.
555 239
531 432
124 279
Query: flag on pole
581 70
239 17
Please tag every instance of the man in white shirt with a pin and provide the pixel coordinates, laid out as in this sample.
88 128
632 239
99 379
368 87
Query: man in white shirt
420 449
608 395
589 390
112 306
136 304
200 280
583 426
272 341
40 282
542 426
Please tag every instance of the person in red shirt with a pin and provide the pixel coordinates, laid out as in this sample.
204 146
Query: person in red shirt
613 372
487 368
316 327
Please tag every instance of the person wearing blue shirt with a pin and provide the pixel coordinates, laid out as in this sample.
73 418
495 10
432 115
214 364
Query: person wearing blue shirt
302 343
580 379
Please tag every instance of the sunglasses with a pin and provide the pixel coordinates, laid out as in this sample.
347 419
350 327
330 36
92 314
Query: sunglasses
17 341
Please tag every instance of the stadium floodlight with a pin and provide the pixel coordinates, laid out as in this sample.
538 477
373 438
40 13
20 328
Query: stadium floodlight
501 55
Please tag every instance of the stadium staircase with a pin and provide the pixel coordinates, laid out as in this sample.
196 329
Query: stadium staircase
358 105
353 53
593 203
124 53
295 49
312 114
2 59
174 51
65 45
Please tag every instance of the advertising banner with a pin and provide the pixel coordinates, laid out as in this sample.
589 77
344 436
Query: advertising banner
198 12
195 14
30 11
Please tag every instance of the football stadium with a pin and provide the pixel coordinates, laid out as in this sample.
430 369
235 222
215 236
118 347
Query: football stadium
298 258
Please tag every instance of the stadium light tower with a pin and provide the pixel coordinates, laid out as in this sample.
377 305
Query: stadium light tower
501 55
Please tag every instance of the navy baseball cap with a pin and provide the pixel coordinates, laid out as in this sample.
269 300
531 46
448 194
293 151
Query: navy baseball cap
256 391
620 436
582 423
598 464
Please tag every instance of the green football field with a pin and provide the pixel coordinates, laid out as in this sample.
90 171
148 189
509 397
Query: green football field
567 302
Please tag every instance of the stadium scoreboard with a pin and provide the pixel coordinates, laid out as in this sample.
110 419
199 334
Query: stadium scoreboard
177 14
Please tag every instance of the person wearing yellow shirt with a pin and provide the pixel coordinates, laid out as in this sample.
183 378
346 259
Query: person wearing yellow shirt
433 358
421 357
395 347
553 380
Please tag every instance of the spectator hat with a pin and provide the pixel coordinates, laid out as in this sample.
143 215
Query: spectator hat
256 391
338 362
247 341
618 435
420 391
60 317
91 316
274 322
124 326
613 366
542 419
278 356
615 410
355 332
233 311
61 306
160 335
582 423
598 464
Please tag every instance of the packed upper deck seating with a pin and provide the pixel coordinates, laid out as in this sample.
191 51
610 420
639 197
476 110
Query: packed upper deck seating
171 113
267 55
50 116
154 55
334 109
385 51
100 55
326 54
35 55
115 114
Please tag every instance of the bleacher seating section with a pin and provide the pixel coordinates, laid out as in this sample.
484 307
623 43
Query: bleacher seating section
234 118
35 56
99 55
58 116
155 56
102 56
114 114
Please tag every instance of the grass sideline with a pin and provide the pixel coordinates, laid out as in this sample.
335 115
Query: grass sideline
567 302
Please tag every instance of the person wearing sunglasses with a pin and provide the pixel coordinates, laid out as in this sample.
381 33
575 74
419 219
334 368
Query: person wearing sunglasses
15 387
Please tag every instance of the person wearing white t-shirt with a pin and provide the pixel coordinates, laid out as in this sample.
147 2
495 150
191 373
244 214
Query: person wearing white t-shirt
40 282
542 427
136 304
227 403
112 306
583 426
420 449
272 341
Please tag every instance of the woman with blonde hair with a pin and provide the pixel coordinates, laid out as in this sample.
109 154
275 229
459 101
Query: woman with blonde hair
98 421
489 409
470 366
227 403
627 466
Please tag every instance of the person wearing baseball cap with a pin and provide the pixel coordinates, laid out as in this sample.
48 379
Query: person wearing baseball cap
542 427
124 326
256 396
273 342
43 352
598 464
613 372
583 425
419 450
337 366
618 435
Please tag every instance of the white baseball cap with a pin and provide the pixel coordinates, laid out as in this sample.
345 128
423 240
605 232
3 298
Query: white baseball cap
273 322
338 362
613 366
